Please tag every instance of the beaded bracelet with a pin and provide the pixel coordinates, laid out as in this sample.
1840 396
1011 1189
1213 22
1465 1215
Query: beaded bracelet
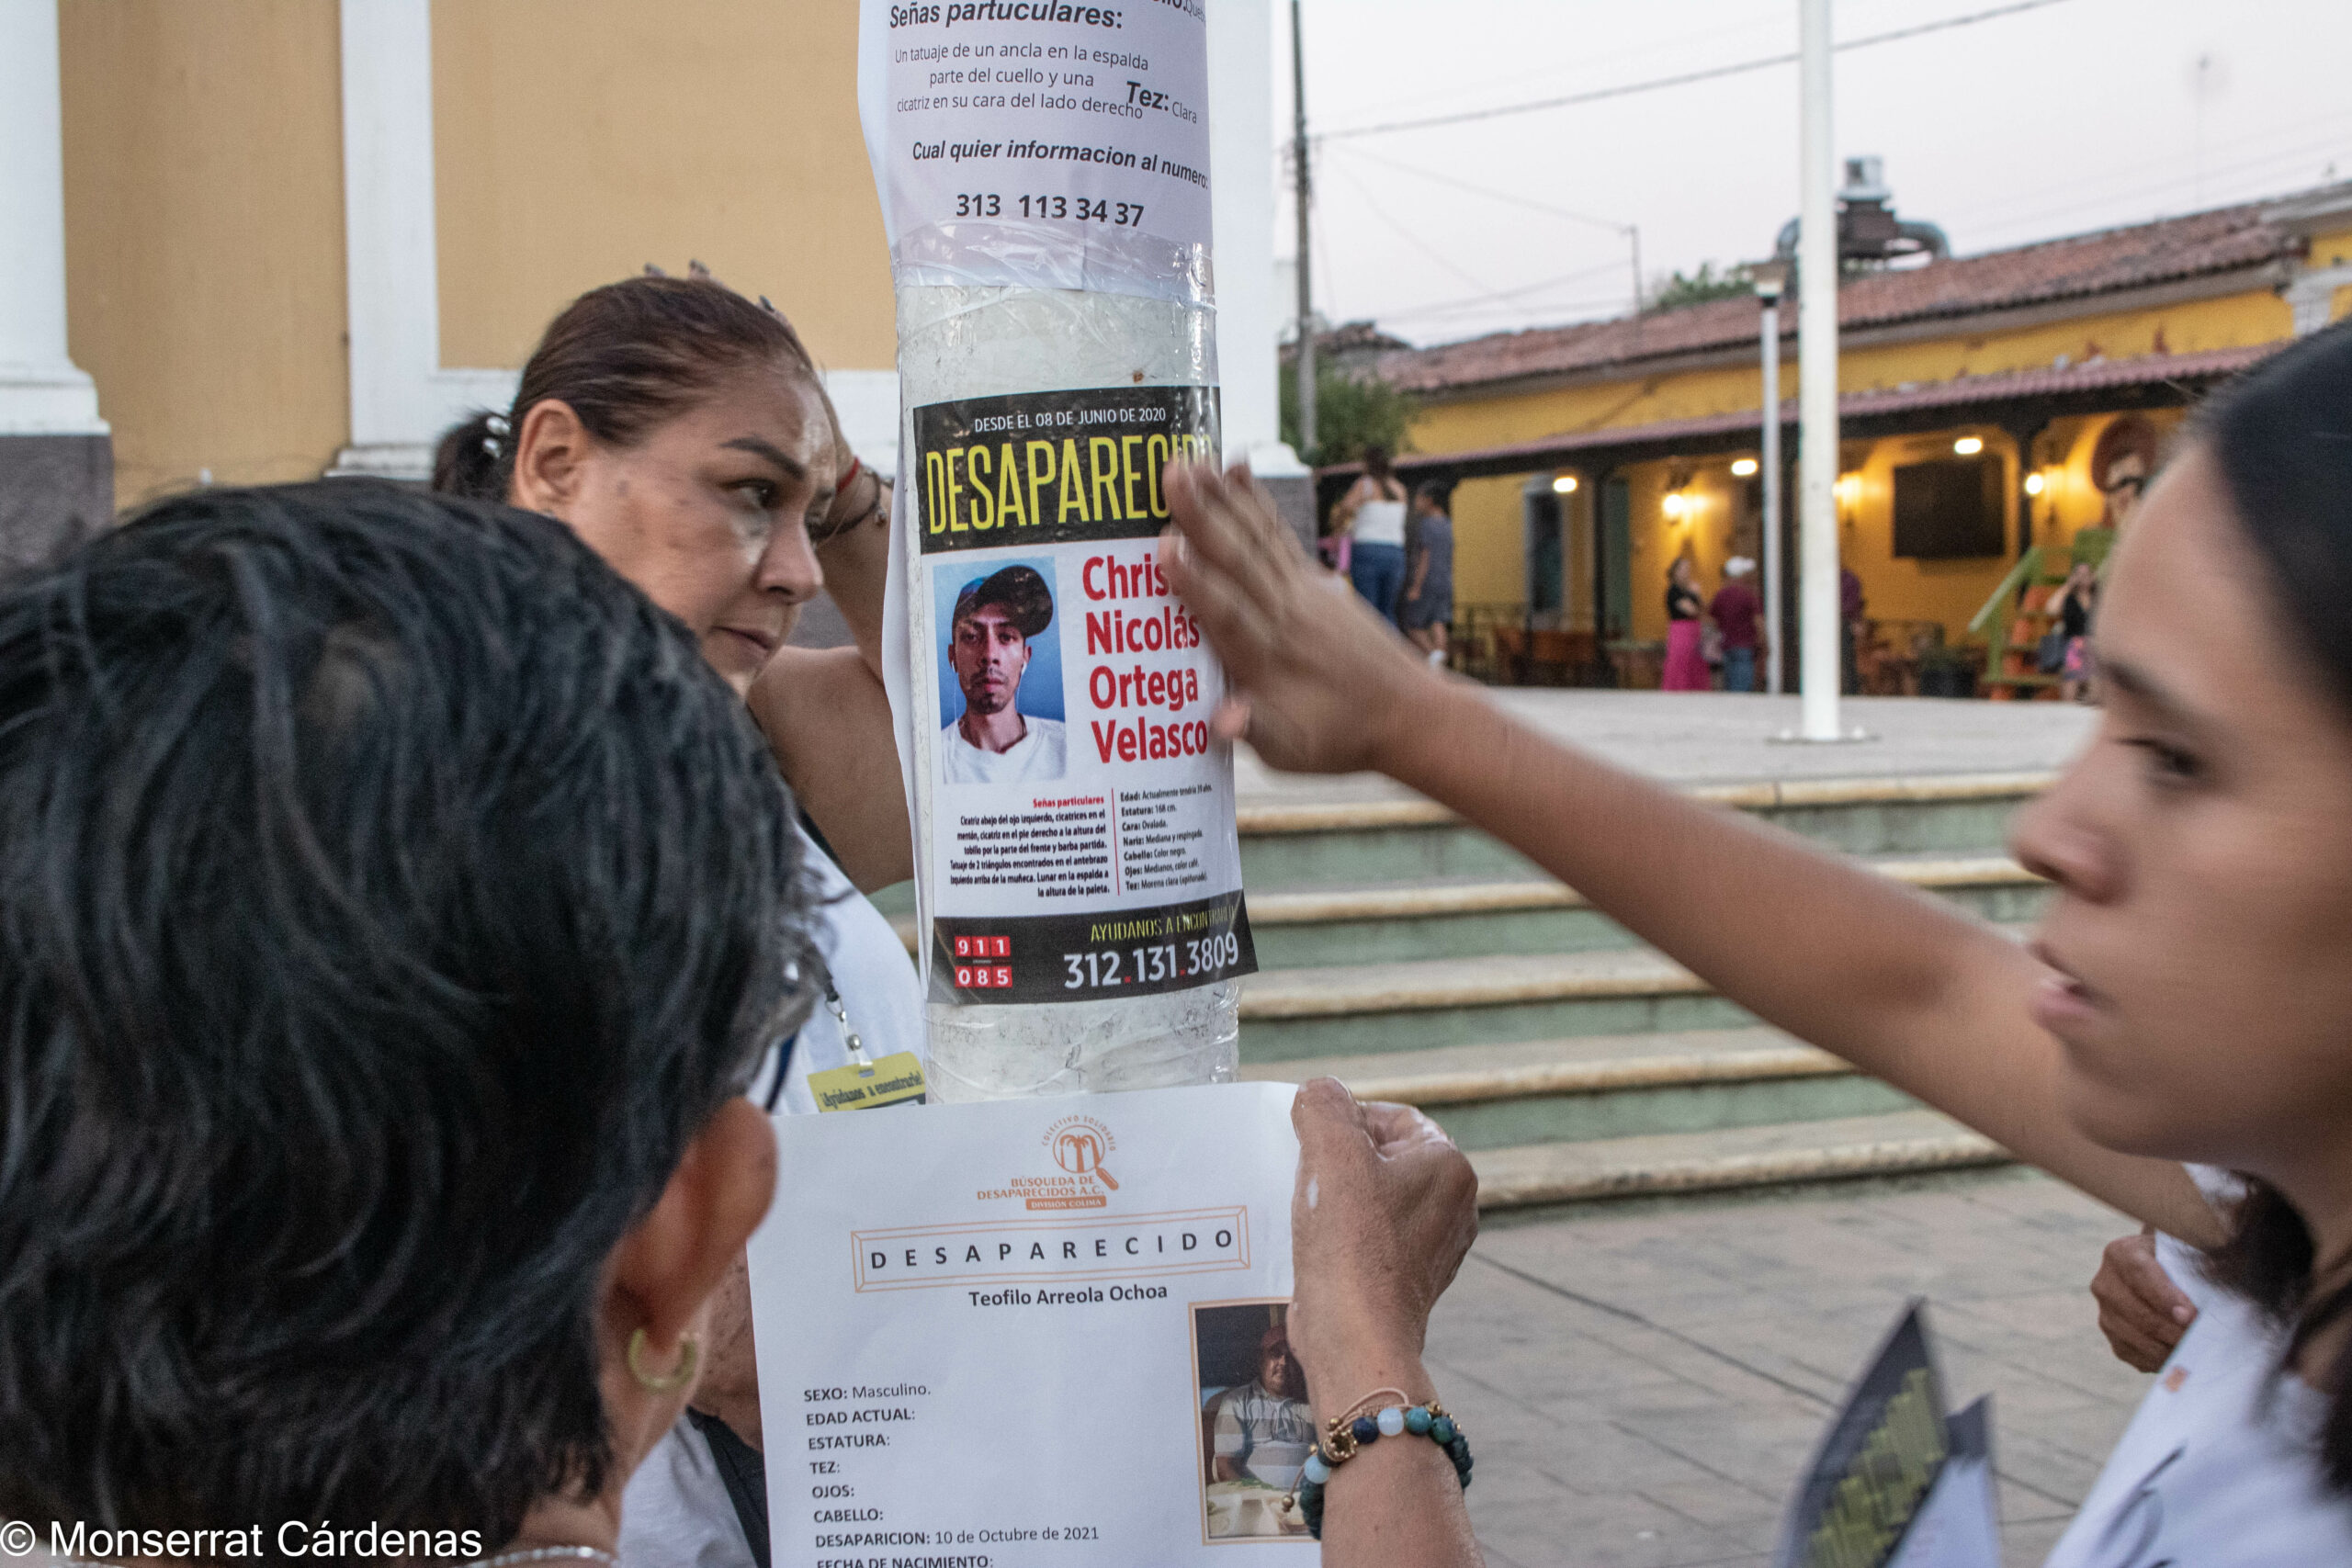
1361 1425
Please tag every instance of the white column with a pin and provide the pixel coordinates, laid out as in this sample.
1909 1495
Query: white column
1817 390
1774 584
401 397
2312 297
1241 166
41 392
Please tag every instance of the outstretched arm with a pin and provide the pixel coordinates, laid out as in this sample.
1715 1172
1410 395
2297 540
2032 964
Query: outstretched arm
1904 988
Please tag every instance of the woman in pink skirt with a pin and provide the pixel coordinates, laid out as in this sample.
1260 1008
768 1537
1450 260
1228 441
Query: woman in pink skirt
1686 665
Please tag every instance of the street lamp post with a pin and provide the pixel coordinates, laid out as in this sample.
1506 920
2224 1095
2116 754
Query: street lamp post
1817 390
1300 154
1772 280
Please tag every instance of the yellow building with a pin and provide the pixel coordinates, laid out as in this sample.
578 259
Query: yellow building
1984 402
246 241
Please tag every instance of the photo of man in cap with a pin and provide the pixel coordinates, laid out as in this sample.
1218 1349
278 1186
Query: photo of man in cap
989 646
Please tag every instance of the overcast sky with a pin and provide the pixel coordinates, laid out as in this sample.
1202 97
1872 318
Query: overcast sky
2083 114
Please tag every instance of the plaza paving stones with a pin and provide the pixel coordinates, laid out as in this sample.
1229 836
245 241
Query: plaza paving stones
1643 1381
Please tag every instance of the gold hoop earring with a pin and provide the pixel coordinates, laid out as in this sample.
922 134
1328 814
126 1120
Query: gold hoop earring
689 1356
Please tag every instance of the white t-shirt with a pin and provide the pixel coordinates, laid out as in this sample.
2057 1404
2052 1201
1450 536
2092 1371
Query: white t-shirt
2220 1468
1039 757
676 1513
1268 1435
1379 523
875 977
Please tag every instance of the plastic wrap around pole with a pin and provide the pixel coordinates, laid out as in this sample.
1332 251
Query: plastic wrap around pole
1044 174
1817 388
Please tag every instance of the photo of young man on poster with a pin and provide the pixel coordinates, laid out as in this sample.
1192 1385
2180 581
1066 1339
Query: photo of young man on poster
1005 733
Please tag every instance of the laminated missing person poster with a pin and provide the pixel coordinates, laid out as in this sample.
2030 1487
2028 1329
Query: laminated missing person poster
1040 143
1044 175
1082 840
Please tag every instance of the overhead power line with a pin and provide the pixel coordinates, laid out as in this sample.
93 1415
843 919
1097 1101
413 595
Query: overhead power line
1712 73
1509 198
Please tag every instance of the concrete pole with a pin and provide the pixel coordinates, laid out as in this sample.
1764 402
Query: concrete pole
1817 370
1773 566
1249 304
1304 178
41 392
1241 199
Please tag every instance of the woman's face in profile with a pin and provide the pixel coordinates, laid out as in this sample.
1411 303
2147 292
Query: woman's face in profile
709 514
2203 846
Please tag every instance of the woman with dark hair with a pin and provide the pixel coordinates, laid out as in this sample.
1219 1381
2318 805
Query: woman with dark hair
684 432
373 1031
2075 603
2188 996
681 430
1686 664
1371 514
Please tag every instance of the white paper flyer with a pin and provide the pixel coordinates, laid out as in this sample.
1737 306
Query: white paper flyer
1027 1332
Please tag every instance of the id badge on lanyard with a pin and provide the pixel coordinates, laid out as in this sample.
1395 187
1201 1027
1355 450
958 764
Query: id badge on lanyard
864 1084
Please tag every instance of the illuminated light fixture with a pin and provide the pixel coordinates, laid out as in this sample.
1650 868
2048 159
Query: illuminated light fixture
1744 468
1849 487
1564 485
1968 446
1676 503
2035 484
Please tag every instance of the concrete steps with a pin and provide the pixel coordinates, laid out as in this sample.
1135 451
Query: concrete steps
1361 843
1578 1090
1425 920
1576 1121
1896 1142
1418 961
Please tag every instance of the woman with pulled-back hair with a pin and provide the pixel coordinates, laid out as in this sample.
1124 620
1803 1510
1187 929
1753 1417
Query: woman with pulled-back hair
682 432
1372 517
2188 996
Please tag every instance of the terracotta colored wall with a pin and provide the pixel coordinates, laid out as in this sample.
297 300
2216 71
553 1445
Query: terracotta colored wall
577 140
204 235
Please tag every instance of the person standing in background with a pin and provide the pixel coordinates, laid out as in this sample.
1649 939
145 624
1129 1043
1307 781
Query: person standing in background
2073 606
1686 666
1427 610
1738 611
1850 605
1373 514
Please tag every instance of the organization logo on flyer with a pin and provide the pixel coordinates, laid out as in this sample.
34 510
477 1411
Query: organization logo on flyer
1078 1144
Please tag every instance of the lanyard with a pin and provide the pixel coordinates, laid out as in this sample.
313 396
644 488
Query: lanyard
822 975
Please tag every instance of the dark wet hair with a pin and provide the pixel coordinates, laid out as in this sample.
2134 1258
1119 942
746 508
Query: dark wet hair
357 996
2283 440
626 358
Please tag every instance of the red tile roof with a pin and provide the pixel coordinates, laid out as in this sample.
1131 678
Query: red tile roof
2229 239
2193 372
